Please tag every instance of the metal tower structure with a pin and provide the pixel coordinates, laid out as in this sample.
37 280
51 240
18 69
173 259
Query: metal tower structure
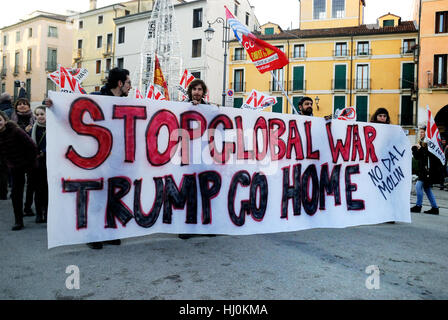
161 38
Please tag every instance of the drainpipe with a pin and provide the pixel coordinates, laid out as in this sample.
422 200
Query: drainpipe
418 64
287 78
351 69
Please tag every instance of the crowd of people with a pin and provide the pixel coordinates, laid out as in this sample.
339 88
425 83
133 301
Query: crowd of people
23 151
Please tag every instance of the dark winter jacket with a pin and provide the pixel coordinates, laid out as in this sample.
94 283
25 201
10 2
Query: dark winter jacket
429 167
17 148
6 106
23 120
104 91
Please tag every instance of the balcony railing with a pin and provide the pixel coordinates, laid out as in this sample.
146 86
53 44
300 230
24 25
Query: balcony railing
107 51
51 66
363 52
238 86
239 57
339 85
362 85
407 84
275 86
408 51
297 85
341 53
299 55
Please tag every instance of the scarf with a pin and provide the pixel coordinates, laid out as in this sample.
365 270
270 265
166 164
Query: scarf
33 133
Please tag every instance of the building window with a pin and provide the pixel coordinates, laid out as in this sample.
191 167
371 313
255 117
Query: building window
52 58
28 60
197 18
16 62
278 84
80 24
120 63
109 42
298 83
100 19
341 49
98 66
269 31
299 51
99 42
362 77
408 46
3 87
247 18
388 23
235 12
80 44
239 54
30 32
362 103
338 103
442 22
127 12
121 35
5 40
197 45
319 9
363 48
340 77
52 32
440 70
18 36
406 116
408 76
238 80
28 89
51 86
108 64
338 9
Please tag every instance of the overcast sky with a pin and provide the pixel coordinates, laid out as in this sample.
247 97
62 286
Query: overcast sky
283 12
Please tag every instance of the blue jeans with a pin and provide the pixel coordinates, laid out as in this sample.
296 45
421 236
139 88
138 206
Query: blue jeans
419 188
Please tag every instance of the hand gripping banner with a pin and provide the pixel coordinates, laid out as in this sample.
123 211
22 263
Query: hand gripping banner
124 167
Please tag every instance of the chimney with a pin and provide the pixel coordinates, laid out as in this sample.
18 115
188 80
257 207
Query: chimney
92 4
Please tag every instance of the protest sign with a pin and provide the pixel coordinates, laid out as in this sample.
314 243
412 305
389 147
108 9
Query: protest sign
433 139
259 101
124 167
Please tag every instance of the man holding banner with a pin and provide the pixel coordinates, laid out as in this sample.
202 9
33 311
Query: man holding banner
197 90
306 106
118 84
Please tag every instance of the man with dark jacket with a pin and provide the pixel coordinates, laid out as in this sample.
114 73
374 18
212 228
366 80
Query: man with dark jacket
306 106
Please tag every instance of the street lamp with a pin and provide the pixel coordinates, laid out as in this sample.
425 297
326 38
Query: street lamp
209 33
317 102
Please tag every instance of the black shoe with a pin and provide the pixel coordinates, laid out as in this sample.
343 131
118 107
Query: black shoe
28 213
432 211
95 245
185 236
210 235
391 222
17 227
416 209
116 242
39 219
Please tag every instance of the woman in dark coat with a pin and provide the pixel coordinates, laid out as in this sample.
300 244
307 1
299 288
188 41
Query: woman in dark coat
19 153
428 172
38 135
24 118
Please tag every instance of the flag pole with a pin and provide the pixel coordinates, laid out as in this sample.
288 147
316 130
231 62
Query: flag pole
284 93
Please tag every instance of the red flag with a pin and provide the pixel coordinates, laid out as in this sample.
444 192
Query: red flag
160 80
266 57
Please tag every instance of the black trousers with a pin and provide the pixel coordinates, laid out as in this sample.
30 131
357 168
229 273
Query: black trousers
30 192
40 184
18 185
3 180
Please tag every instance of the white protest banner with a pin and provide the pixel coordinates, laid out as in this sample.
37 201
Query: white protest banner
138 94
123 167
258 101
433 139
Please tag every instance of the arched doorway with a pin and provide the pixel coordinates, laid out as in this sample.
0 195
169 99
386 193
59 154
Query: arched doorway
441 120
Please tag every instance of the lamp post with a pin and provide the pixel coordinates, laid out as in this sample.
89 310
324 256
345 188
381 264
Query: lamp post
209 33
317 102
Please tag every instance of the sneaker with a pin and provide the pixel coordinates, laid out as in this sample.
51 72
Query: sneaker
95 245
116 242
432 211
416 209
17 227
